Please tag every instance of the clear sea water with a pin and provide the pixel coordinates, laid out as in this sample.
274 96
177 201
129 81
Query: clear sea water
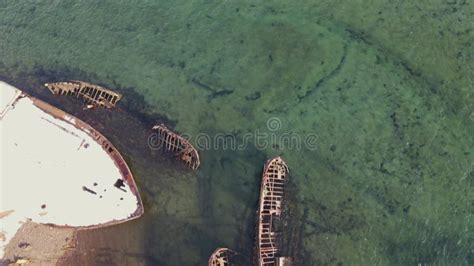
384 89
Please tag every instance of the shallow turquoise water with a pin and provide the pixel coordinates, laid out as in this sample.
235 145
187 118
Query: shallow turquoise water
386 87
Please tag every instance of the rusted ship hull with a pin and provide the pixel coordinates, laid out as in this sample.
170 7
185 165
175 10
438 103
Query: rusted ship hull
113 153
124 171
180 147
221 257
268 248
93 95
58 171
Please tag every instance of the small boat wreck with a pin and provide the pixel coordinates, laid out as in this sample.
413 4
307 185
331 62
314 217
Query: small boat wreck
268 241
58 170
272 190
180 147
93 95
222 257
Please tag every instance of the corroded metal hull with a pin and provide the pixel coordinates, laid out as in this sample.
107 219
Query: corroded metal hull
64 169
113 153
221 257
274 178
93 95
180 147
268 244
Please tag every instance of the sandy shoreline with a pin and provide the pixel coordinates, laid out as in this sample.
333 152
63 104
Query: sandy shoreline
29 244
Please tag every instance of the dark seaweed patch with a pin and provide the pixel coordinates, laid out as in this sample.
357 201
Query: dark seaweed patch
252 97
214 93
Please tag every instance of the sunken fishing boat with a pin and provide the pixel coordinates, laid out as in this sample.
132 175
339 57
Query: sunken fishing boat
222 257
272 192
93 95
171 142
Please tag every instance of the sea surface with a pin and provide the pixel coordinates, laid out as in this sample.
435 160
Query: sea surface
370 102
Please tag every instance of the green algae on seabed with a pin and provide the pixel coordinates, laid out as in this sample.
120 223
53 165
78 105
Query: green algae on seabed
386 85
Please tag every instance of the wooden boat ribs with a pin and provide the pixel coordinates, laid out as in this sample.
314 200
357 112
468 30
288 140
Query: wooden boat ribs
221 257
177 145
271 196
93 95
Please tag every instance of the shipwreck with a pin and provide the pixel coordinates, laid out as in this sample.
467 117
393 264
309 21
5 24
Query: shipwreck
58 170
222 257
268 246
93 95
177 145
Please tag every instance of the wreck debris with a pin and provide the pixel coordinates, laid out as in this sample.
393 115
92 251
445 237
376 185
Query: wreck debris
88 190
9 103
176 144
221 257
120 184
268 247
93 95
271 196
